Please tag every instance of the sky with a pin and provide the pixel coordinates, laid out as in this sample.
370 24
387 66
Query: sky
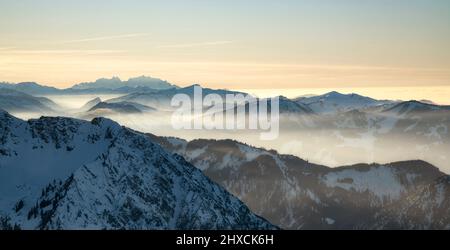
250 44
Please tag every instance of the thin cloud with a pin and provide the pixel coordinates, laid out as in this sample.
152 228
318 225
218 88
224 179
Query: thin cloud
86 52
191 45
6 48
103 38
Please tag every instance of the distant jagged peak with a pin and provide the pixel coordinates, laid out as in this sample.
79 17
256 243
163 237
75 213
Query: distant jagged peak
143 80
134 82
206 89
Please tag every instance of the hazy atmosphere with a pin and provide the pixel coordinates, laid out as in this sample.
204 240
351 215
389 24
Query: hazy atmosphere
224 114
228 44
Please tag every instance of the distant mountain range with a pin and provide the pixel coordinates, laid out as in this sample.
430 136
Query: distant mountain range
100 86
116 83
161 99
338 129
126 178
63 173
16 101
296 194
334 102
30 88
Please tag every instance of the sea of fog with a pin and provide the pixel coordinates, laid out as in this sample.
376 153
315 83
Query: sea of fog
320 146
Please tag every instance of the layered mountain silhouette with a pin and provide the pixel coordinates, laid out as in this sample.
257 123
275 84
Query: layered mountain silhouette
113 85
16 101
117 83
86 172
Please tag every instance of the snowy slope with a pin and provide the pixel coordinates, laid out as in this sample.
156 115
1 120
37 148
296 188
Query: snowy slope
334 102
72 174
296 194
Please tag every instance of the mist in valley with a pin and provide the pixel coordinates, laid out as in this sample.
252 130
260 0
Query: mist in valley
327 140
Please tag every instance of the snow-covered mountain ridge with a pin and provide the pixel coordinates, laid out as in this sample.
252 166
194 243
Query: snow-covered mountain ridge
334 102
65 173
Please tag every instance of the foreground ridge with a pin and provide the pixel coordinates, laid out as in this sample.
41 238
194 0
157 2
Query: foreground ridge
63 173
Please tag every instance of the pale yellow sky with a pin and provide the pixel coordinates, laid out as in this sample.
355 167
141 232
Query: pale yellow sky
65 68
228 44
